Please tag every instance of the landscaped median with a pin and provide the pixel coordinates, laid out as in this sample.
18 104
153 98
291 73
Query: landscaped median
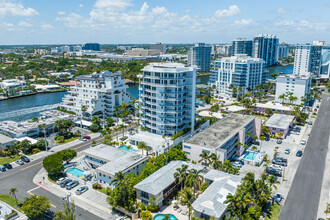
10 159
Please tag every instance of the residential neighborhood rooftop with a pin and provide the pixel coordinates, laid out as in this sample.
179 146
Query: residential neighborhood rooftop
276 106
279 121
211 201
164 177
117 159
221 131
5 139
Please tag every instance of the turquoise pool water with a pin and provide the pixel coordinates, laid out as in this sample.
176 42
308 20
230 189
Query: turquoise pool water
250 155
76 172
123 147
161 217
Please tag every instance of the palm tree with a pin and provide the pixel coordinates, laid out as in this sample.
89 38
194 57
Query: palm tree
43 127
68 212
205 156
181 174
13 192
187 197
143 146
194 178
83 110
282 97
254 148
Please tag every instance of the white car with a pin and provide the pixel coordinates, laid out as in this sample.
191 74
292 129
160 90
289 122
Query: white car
237 164
60 180
287 151
303 142
276 167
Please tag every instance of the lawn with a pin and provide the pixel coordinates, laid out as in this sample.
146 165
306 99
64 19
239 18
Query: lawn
4 160
10 201
274 212
66 140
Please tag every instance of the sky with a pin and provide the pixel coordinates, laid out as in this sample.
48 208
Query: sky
167 21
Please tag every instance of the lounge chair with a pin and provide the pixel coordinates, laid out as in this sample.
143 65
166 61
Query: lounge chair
179 210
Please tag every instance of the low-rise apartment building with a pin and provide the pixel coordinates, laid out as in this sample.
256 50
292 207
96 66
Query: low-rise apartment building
108 160
223 137
280 123
6 141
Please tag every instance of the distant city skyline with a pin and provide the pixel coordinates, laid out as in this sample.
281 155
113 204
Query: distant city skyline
140 21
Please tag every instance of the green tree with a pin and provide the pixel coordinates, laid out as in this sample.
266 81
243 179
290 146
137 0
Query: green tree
25 145
187 197
146 215
13 192
181 174
205 156
282 97
95 127
274 75
110 121
43 127
83 110
269 111
96 120
107 139
68 212
194 178
63 126
143 146
35 206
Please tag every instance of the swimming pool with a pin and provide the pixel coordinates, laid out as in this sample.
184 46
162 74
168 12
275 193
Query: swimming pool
124 147
162 216
250 155
76 172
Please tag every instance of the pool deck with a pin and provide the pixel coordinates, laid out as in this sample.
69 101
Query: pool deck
170 210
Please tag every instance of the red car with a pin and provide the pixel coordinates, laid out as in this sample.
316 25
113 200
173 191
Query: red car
87 137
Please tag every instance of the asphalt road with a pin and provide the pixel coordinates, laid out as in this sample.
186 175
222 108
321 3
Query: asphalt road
304 195
22 179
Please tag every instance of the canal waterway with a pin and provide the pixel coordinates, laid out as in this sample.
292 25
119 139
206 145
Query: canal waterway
24 108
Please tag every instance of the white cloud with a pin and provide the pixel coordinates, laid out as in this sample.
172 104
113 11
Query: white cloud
233 10
243 22
61 13
283 11
73 20
80 5
24 24
46 26
10 8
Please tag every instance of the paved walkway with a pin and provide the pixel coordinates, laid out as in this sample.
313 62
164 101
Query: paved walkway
92 201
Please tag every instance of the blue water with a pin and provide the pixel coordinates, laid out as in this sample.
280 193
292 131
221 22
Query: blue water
250 155
281 69
76 172
123 147
162 216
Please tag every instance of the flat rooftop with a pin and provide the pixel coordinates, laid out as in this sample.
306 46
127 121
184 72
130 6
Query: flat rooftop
164 177
220 132
5 139
117 159
276 106
279 121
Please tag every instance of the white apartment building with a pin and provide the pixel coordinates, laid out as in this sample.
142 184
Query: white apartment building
241 71
10 84
298 85
167 94
99 92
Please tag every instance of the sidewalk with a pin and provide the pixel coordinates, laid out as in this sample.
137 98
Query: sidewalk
91 201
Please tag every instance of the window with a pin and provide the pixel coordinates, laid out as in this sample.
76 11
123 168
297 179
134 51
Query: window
185 146
144 194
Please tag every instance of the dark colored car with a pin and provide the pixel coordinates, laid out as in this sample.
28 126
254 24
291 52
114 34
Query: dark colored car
267 138
279 141
274 172
25 159
2 168
299 153
72 185
87 137
280 161
278 198
8 166
65 182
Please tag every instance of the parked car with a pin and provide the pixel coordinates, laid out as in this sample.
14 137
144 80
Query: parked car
81 190
87 137
310 122
65 182
276 167
72 185
19 162
83 139
279 141
237 165
60 180
278 198
299 153
318 106
25 159
303 142
267 138
280 161
8 166
274 172
287 151
2 168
